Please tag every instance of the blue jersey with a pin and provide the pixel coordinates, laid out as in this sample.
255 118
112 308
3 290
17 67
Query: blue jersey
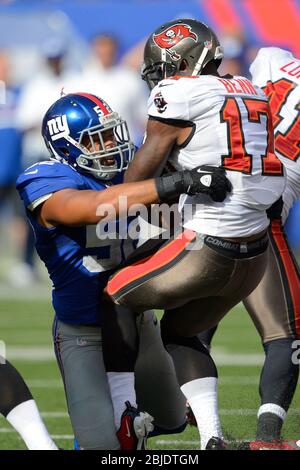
78 262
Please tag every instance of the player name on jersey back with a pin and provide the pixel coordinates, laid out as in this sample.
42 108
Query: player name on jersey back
291 68
238 85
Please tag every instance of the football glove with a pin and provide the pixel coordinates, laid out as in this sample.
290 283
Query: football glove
203 179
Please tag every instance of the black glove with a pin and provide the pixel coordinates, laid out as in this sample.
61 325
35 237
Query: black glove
203 179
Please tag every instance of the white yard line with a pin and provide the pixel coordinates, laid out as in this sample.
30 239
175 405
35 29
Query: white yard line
226 358
54 436
226 380
163 442
167 442
54 414
251 411
45 383
40 292
235 380
46 353
30 353
222 412
7 430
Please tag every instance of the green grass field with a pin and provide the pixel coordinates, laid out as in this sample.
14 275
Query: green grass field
25 327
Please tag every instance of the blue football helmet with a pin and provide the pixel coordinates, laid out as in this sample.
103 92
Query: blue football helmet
82 130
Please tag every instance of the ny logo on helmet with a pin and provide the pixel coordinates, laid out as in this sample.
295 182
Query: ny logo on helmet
171 36
58 127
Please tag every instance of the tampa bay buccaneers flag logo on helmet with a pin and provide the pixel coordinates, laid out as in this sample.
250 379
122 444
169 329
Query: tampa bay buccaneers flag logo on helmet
171 36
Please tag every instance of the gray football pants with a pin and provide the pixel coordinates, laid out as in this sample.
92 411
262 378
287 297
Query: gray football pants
78 351
196 279
274 305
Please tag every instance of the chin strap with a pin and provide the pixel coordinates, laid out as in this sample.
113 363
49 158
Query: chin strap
198 66
218 55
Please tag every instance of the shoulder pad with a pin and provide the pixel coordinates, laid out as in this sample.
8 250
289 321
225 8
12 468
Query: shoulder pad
168 101
46 178
47 169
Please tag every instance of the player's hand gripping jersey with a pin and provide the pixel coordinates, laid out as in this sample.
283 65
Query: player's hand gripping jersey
232 127
277 72
78 262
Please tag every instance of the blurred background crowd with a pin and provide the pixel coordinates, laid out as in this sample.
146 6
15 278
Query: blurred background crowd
49 47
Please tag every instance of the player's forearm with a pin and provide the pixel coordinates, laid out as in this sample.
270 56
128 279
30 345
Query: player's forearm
75 208
89 207
144 166
118 199
150 159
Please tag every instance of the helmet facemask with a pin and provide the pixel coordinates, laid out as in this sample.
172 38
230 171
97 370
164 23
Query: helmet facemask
154 73
106 148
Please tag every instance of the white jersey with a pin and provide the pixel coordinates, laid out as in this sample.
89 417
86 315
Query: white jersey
278 73
230 119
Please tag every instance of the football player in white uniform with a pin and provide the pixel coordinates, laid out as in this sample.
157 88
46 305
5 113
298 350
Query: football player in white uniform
278 296
196 116
274 305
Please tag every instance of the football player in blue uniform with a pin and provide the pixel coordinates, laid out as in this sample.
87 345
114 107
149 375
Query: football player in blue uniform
66 200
